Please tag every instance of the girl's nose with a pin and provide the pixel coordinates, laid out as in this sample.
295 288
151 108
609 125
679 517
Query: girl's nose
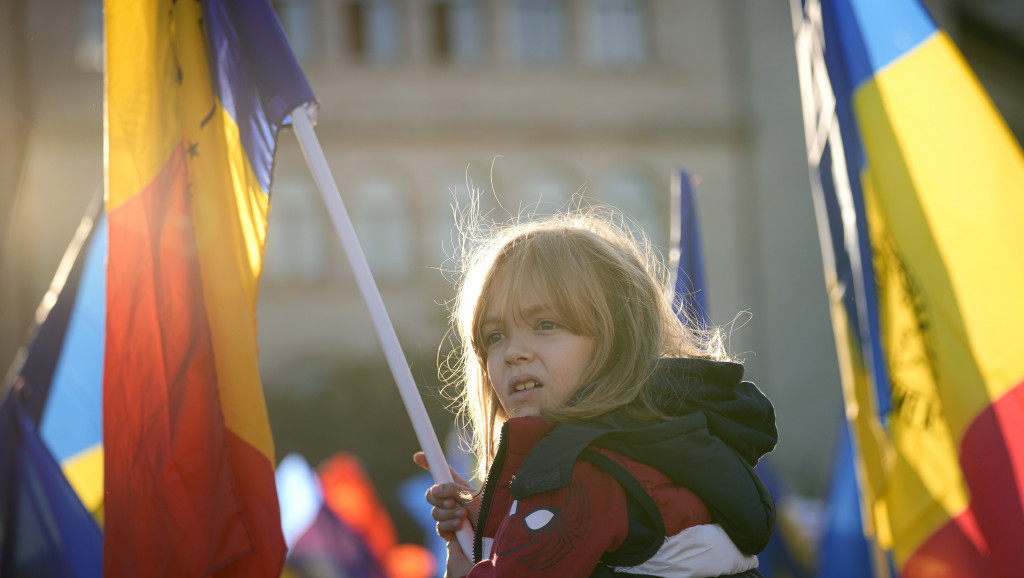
517 348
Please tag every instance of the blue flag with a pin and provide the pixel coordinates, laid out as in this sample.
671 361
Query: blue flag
61 376
50 419
46 529
843 551
690 301
690 297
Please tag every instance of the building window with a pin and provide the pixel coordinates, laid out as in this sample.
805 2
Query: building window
89 49
299 22
636 192
457 31
618 33
374 31
539 31
296 250
383 226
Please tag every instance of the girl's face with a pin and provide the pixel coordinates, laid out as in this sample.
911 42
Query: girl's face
533 361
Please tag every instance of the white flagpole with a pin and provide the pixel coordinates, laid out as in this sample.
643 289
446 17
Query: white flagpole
314 154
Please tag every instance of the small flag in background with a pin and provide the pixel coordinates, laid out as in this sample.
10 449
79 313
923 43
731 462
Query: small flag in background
335 523
51 459
690 296
319 540
690 301
195 95
843 550
918 187
60 375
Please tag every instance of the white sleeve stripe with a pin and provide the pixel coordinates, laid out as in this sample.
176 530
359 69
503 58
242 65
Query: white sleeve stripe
704 550
485 548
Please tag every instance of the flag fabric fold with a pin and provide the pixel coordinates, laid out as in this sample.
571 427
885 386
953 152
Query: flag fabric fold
918 186
195 96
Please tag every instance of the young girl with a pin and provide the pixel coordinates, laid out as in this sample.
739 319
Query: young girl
615 440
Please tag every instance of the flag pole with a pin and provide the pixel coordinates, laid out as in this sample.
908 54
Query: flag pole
314 154
92 215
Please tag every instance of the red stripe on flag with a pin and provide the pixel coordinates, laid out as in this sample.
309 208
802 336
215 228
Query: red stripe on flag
954 550
985 540
992 459
169 495
256 489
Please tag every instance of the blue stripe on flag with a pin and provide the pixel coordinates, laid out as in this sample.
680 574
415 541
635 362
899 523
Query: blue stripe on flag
842 76
239 34
73 418
896 27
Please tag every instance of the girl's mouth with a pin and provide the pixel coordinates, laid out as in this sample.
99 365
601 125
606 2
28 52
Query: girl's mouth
525 386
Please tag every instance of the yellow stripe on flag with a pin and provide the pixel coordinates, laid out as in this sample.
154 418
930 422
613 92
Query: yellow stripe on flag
142 127
944 192
84 471
230 233
956 188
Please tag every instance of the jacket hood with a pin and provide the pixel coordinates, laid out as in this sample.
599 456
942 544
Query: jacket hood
736 410
722 426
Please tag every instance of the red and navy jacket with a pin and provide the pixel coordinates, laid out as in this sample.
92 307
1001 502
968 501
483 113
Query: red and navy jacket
617 496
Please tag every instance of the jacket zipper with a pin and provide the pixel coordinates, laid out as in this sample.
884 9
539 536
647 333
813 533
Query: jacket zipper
493 473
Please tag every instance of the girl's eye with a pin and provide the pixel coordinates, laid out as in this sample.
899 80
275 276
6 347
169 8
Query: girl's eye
547 325
492 337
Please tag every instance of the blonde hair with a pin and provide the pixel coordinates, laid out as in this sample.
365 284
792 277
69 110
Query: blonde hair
605 281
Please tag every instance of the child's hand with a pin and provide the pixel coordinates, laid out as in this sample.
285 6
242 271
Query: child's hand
452 503
458 564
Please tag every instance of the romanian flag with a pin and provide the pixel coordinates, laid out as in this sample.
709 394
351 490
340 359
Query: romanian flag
195 95
919 188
